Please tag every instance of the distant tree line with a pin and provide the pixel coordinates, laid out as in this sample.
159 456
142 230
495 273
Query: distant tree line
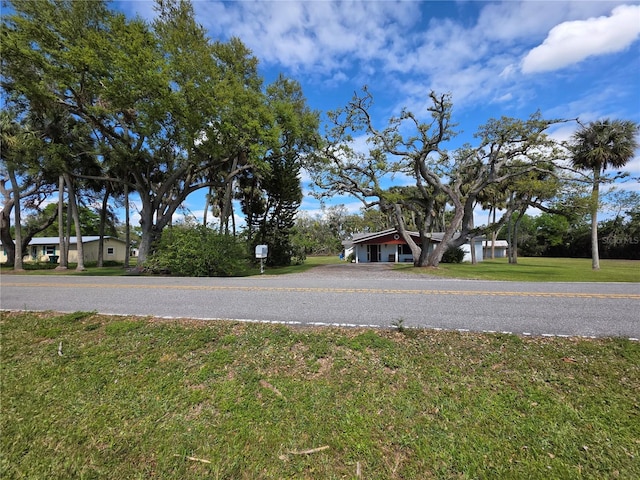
553 235
566 233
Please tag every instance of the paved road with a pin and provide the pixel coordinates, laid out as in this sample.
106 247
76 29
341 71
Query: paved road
347 295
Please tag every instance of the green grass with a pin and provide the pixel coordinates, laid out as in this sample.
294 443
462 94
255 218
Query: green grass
538 269
309 263
146 398
112 269
118 270
527 269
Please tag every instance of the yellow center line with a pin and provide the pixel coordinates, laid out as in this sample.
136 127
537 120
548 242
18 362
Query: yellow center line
629 296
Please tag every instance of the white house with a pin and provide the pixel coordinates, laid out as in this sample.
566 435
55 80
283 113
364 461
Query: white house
47 249
500 248
388 246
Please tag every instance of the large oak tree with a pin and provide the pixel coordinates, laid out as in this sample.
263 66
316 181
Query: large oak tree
172 111
507 150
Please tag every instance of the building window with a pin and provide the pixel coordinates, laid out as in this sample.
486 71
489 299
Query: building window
403 249
50 250
111 251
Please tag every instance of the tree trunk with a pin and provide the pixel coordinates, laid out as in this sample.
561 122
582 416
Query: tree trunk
150 232
64 249
149 236
595 196
510 238
472 246
494 235
76 220
514 253
103 221
233 220
423 254
63 227
251 214
17 263
434 258
67 228
127 227
153 219
207 202
419 254
5 231
227 207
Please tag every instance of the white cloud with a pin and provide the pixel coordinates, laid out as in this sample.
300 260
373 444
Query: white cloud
510 20
571 42
633 168
311 36
391 44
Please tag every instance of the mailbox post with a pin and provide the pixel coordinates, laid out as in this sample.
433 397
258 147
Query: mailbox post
261 253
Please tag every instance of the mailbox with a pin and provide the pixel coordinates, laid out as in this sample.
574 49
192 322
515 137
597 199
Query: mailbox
261 251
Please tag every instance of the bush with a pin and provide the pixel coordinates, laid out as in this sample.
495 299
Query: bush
453 255
197 252
299 255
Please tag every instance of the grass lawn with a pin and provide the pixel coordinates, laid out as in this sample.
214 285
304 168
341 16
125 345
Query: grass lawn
111 270
90 396
118 270
309 263
527 269
538 269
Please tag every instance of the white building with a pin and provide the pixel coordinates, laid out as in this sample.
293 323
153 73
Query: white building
388 246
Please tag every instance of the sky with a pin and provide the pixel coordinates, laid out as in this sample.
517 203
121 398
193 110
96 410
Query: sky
578 59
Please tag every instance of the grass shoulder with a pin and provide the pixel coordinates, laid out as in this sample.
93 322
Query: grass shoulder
110 269
309 263
114 269
537 269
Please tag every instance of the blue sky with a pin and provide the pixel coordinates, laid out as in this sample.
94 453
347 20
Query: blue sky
566 59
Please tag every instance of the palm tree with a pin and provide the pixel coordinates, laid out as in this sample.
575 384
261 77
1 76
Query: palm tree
596 147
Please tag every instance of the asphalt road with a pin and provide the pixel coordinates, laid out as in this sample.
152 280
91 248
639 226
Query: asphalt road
352 295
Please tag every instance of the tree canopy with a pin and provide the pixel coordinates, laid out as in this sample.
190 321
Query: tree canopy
508 149
169 111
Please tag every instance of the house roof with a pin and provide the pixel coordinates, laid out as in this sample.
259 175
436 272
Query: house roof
359 238
498 243
72 240
363 237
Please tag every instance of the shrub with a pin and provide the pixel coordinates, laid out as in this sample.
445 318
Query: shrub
453 255
197 252
299 255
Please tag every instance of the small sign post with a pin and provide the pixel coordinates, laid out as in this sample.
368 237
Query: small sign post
261 253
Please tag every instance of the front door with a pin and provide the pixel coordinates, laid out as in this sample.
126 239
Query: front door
373 253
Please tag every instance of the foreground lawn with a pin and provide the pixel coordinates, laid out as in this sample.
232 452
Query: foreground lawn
90 396
539 269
